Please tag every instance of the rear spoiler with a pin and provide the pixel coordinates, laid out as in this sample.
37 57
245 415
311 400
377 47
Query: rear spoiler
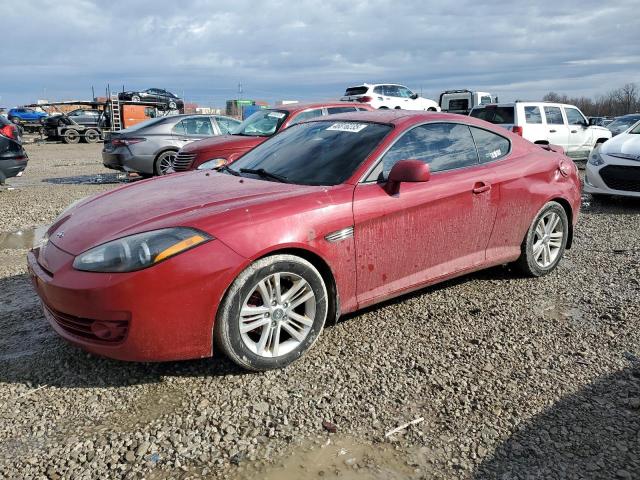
551 147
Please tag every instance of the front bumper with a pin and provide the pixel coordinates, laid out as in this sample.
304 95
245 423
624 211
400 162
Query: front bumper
597 180
165 312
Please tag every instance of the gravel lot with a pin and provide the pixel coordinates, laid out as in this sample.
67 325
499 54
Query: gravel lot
514 377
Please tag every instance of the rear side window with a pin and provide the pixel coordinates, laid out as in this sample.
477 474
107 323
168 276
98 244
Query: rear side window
226 125
378 90
194 126
459 104
532 114
444 146
497 115
355 91
491 146
333 110
554 115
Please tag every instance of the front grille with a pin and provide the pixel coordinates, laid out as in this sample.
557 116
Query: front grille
101 331
621 177
183 161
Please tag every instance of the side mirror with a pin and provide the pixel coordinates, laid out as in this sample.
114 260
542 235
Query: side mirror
407 171
414 96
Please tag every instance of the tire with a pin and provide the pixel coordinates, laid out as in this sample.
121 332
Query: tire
164 162
245 293
383 108
542 247
431 109
135 98
15 120
92 136
172 105
71 136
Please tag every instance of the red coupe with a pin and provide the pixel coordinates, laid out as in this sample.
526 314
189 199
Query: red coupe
326 217
211 152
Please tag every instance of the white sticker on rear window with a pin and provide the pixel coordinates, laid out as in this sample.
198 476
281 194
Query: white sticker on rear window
275 115
495 154
348 127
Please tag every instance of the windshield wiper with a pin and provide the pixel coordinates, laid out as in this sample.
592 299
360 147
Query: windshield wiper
225 168
264 174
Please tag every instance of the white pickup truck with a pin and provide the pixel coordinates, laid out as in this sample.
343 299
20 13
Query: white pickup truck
546 123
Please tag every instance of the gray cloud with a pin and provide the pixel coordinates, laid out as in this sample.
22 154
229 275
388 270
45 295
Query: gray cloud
311 50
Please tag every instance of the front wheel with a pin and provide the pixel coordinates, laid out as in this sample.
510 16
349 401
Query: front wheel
172 105
545 242
91 136
273 312
135 98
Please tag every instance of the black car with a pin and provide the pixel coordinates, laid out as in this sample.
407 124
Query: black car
13 158
154 95
82 121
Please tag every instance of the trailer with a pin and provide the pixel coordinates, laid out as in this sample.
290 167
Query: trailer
462 101
115 114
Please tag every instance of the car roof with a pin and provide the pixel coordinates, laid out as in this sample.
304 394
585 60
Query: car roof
297 107
401 118
375 85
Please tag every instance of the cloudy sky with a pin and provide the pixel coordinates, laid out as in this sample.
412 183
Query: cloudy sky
313 49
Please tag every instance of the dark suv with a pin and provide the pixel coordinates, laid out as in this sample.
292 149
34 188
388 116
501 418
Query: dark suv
13 158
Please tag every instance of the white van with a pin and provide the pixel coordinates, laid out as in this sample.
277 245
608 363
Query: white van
546 123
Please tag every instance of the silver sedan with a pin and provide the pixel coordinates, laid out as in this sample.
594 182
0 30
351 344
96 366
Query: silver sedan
149 148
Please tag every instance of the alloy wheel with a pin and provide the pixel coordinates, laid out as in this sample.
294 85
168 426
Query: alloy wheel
277 315
547 239
165 163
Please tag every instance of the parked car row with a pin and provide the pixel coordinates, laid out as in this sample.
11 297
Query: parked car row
325 215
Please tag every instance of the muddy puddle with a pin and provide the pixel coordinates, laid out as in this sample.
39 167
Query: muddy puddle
21 239
555 310
338 457
100 179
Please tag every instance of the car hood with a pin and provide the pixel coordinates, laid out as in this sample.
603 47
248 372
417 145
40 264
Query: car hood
628 143
223 144
190 199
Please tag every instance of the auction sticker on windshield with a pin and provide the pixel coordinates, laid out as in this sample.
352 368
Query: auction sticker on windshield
348 127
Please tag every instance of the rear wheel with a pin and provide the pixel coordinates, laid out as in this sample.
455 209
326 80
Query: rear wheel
164 163
71 136
135 98
383 108
92 136
172 105
431 109
273 312
545 242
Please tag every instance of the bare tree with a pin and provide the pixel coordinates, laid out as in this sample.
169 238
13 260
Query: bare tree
620 101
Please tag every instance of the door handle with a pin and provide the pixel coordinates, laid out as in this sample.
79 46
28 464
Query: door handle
574 131
481 187
552 131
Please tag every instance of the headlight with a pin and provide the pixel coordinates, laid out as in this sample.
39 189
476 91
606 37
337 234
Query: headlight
211 164
595 158
139 251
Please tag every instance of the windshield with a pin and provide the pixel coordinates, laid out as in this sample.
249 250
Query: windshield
263 123
316 153
623 123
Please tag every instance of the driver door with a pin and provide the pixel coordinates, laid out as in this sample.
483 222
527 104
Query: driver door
579 133
428 230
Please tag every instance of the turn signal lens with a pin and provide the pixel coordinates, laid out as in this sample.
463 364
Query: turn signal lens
179 247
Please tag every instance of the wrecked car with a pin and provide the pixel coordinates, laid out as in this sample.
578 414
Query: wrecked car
325 218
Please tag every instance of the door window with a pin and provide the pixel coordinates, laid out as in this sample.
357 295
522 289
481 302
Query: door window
334 110
554 116
404 92
574 117
491 146
391 91
444 146
378 90
306 116
194 126
532 114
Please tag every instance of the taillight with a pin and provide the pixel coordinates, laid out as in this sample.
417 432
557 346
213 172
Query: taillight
125 142
8 131
364 99
517 130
